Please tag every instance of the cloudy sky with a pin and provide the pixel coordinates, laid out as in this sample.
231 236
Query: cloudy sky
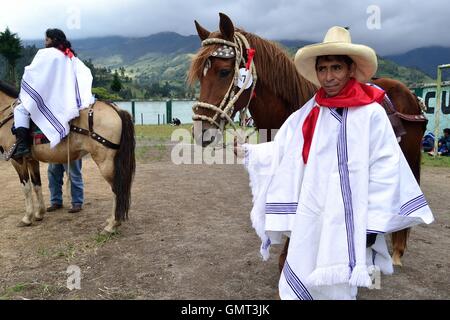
388 26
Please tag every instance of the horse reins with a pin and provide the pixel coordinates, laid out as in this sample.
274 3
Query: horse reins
226 106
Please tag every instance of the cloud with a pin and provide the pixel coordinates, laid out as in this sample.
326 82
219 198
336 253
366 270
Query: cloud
403 25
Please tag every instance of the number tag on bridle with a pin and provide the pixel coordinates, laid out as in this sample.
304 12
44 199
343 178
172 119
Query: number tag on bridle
244 74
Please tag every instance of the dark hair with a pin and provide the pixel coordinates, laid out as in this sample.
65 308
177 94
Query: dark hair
447 130
59 40
339 58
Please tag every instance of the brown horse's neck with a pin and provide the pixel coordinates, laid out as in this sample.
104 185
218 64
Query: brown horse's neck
268 110
280 90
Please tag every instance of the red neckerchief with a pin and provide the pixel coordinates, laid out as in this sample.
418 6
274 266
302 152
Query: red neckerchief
67 52
354 94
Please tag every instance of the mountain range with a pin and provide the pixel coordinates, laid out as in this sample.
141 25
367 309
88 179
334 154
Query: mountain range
425 59
166 56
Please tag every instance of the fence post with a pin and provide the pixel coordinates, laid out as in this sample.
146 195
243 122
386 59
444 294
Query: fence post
142 119
133 111
169 111
158 120
437 110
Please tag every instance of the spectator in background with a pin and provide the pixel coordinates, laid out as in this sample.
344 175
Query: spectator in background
444 143
176 122
428 142
55 183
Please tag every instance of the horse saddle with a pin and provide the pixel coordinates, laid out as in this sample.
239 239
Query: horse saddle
396 117
37 136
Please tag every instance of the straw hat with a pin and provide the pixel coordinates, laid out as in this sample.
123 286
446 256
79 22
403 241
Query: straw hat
337 41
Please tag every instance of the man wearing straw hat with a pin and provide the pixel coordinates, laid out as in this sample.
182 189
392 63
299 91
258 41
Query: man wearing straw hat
333 175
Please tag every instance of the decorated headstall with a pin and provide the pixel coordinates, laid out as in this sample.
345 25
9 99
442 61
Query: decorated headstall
244 78
224 52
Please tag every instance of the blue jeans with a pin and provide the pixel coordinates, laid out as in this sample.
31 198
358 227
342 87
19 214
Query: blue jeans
55 182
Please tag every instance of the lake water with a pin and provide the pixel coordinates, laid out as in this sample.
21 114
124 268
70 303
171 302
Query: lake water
146 112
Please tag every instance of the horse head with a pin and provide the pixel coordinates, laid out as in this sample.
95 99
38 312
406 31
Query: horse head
227 79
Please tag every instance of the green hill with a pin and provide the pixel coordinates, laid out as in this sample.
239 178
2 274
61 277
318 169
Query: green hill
407 75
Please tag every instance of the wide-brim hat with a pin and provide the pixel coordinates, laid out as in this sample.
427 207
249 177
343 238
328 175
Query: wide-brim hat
337 41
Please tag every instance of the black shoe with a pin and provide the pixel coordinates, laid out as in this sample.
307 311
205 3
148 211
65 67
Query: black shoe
54 207
22 142
76 208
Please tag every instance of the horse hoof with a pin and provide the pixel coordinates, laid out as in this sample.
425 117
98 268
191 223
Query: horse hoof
23 224
107 232
396 261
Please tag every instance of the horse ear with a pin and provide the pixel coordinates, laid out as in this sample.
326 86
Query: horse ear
226 27
202 32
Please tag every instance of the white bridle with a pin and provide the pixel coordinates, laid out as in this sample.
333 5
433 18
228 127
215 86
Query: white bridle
225 109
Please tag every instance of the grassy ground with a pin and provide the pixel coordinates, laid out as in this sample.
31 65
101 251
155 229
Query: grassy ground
160 133
431 161
152 141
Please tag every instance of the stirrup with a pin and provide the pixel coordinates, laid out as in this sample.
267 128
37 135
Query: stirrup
8 154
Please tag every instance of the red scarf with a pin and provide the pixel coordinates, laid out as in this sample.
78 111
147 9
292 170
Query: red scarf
67 51
354 94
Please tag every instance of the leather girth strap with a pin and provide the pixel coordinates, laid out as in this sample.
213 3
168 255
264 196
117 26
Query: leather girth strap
92 133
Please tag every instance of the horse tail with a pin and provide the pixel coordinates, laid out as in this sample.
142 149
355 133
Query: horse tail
124 167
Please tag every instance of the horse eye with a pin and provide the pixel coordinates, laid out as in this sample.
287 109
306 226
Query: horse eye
224 73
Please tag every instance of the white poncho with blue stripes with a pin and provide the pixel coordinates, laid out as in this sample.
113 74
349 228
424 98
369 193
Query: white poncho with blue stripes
356 181
54 88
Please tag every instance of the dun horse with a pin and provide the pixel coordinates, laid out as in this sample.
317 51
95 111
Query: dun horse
107 135
276 92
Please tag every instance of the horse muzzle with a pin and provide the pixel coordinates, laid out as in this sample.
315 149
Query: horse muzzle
205 134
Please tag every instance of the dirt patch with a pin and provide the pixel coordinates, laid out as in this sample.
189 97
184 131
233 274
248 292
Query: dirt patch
189 237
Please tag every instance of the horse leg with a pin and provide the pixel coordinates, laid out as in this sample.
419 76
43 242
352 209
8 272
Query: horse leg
283 255
33 169
411 147
111 222
22 170
399 240
106 165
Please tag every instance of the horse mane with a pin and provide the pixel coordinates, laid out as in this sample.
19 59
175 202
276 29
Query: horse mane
8 89
274 68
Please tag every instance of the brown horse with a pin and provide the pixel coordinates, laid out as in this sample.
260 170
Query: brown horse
117 165
278 92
